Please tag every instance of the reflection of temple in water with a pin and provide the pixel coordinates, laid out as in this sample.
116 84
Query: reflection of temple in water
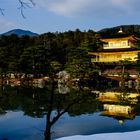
118 97
118 105
119 112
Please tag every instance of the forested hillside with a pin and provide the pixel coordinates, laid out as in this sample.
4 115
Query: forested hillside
67 50
36 55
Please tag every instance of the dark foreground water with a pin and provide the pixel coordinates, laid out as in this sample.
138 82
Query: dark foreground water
23 116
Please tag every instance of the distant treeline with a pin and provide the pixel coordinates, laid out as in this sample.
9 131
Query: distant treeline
67 50
127 29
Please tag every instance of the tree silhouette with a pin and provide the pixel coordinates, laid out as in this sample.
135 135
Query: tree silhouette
23 5
2 11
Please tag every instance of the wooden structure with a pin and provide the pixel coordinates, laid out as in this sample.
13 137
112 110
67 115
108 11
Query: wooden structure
116 49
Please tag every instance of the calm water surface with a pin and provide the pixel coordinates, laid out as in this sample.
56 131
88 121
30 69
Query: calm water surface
23 116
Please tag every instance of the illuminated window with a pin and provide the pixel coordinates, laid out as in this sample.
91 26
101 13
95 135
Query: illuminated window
124 43
111 44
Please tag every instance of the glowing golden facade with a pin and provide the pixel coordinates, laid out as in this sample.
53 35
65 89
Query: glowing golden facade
116 49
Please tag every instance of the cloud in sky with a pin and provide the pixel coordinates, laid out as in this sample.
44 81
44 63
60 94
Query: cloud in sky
70 14
6 25
94 8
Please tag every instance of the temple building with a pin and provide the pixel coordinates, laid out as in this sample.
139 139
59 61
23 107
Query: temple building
116 49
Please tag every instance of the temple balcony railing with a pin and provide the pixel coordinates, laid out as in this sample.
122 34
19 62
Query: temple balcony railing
107 46
115 47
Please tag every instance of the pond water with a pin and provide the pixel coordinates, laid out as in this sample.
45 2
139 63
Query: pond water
23 114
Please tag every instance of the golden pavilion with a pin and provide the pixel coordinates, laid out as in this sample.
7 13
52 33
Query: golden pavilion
116 49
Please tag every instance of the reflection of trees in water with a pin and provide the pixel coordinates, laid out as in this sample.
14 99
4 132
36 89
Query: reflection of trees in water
130 84
60 109
2 112
37 102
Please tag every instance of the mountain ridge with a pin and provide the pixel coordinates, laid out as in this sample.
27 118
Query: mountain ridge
20 32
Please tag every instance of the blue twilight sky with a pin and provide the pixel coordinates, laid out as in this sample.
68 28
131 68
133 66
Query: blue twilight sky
64 15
